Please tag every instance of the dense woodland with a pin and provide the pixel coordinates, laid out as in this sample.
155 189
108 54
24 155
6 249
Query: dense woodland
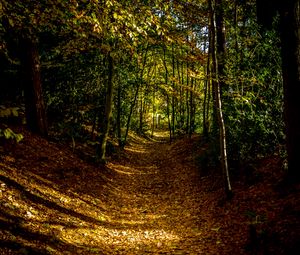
87 75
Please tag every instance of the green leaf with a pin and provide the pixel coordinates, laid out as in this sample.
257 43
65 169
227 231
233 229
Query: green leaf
94 16
5 113
11 22
8 133
14 111
19 137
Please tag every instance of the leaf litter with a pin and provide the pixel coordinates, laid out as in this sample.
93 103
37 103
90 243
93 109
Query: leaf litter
151 199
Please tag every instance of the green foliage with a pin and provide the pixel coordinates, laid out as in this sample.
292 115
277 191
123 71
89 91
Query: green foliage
12 114
6 112
8 134
159 51
253 98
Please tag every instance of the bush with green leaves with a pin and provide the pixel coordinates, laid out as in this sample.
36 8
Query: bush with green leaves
8 134
253 97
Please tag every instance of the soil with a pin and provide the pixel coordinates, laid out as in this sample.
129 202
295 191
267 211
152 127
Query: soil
151 198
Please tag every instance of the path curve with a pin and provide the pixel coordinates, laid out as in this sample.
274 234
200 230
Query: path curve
156 192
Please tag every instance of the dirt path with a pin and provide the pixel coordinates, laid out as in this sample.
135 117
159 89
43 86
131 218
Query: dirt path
149 200
158 194
146 202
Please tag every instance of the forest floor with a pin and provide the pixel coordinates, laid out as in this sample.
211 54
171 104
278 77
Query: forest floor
152 198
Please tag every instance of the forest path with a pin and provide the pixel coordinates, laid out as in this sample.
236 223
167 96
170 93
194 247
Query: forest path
148 200
157 193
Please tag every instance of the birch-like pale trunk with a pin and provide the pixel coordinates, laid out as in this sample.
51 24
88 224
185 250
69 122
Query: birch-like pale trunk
218 52
108 110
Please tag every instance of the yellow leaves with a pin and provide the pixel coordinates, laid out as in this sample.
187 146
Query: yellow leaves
118 17
216 229
9 112
97 28
109 3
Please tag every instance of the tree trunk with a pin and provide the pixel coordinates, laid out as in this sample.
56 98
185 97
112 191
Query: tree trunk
167 95
220 40
136 94
119 109
34 102
187 127
180 122
173 97
206 92
142 111
290 39
130 112
218 63
153 111
169 120
108 110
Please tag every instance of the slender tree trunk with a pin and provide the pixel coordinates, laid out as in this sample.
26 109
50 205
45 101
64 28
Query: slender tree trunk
169 120
94 125
34 102
153 111
141 117
206 92
168 100
187 101
191 106
180 96
208 73
220 46
108 110
218 53
173 97
290 39
136 95
131 111
119 109
213 70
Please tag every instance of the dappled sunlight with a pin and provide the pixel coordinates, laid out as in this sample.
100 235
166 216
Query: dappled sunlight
147 203
135 138
68 218
136 150
161 134
81 219
132 170
116 237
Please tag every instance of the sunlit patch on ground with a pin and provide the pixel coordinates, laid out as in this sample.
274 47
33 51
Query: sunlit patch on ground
161 134
132 170
115 237
136 150
73 221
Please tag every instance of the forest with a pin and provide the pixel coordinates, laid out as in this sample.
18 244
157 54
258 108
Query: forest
149 127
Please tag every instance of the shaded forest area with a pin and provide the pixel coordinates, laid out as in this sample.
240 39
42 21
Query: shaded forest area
170 107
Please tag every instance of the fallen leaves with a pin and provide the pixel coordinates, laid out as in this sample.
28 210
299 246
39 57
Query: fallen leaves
152 200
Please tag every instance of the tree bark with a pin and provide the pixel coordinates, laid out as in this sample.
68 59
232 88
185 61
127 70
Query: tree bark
108 110
167 95
220 40
119 109
34 102
187 127
218 52
173 87
191 107
206 92
136 93
153 111
290 39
